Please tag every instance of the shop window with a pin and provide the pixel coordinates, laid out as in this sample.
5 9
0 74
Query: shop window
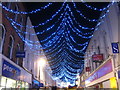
26 85
2 36
10 83
18 85
23 84
3 82
10 47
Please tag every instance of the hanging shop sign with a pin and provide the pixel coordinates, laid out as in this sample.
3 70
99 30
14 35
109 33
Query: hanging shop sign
97 57
87 69
41 85
35 84
115 47
105 69
10 71
20 54
119 74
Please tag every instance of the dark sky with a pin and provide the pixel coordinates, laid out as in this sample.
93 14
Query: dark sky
47 14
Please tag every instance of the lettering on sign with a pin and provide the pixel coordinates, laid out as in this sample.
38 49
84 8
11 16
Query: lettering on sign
10 71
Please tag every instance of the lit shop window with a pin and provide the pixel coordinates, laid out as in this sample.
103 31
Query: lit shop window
23 85
26 85
19 84
3 82
10 83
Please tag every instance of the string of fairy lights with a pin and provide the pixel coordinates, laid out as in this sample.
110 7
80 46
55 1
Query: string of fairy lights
65 52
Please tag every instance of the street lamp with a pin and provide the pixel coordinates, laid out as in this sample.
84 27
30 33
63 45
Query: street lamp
42 63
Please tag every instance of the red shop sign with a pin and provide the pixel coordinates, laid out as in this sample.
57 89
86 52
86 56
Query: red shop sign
87 69
97 57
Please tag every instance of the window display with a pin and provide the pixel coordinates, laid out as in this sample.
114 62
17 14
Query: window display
10 83
3 82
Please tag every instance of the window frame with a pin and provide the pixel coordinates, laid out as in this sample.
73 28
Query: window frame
2 37
21 22
18 49
11 47
16 15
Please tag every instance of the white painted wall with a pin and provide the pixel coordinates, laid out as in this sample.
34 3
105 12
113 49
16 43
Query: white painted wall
0 64
106 84
109 29
32 58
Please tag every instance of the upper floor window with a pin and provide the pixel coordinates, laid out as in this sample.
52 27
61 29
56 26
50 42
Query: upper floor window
98 48
10 47
15 9
7 4
21 21
2 36
18 49
119 6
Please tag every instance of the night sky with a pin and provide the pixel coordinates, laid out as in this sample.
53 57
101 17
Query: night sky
51 10
43 15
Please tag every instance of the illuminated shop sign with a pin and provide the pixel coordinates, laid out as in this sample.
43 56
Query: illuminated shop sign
105 69
87 69
97 57
115 47
20 54
119 74
10 71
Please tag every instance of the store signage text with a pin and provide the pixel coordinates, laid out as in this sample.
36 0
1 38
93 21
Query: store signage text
20 54
105 69
8 70
115 47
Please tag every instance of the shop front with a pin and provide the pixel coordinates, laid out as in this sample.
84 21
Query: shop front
10 76
11 83
103 77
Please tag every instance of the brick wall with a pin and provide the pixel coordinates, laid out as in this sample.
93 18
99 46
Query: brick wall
11 31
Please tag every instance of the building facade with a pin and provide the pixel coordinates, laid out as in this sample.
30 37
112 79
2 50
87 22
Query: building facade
12 73
101 59
20 51
35 60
